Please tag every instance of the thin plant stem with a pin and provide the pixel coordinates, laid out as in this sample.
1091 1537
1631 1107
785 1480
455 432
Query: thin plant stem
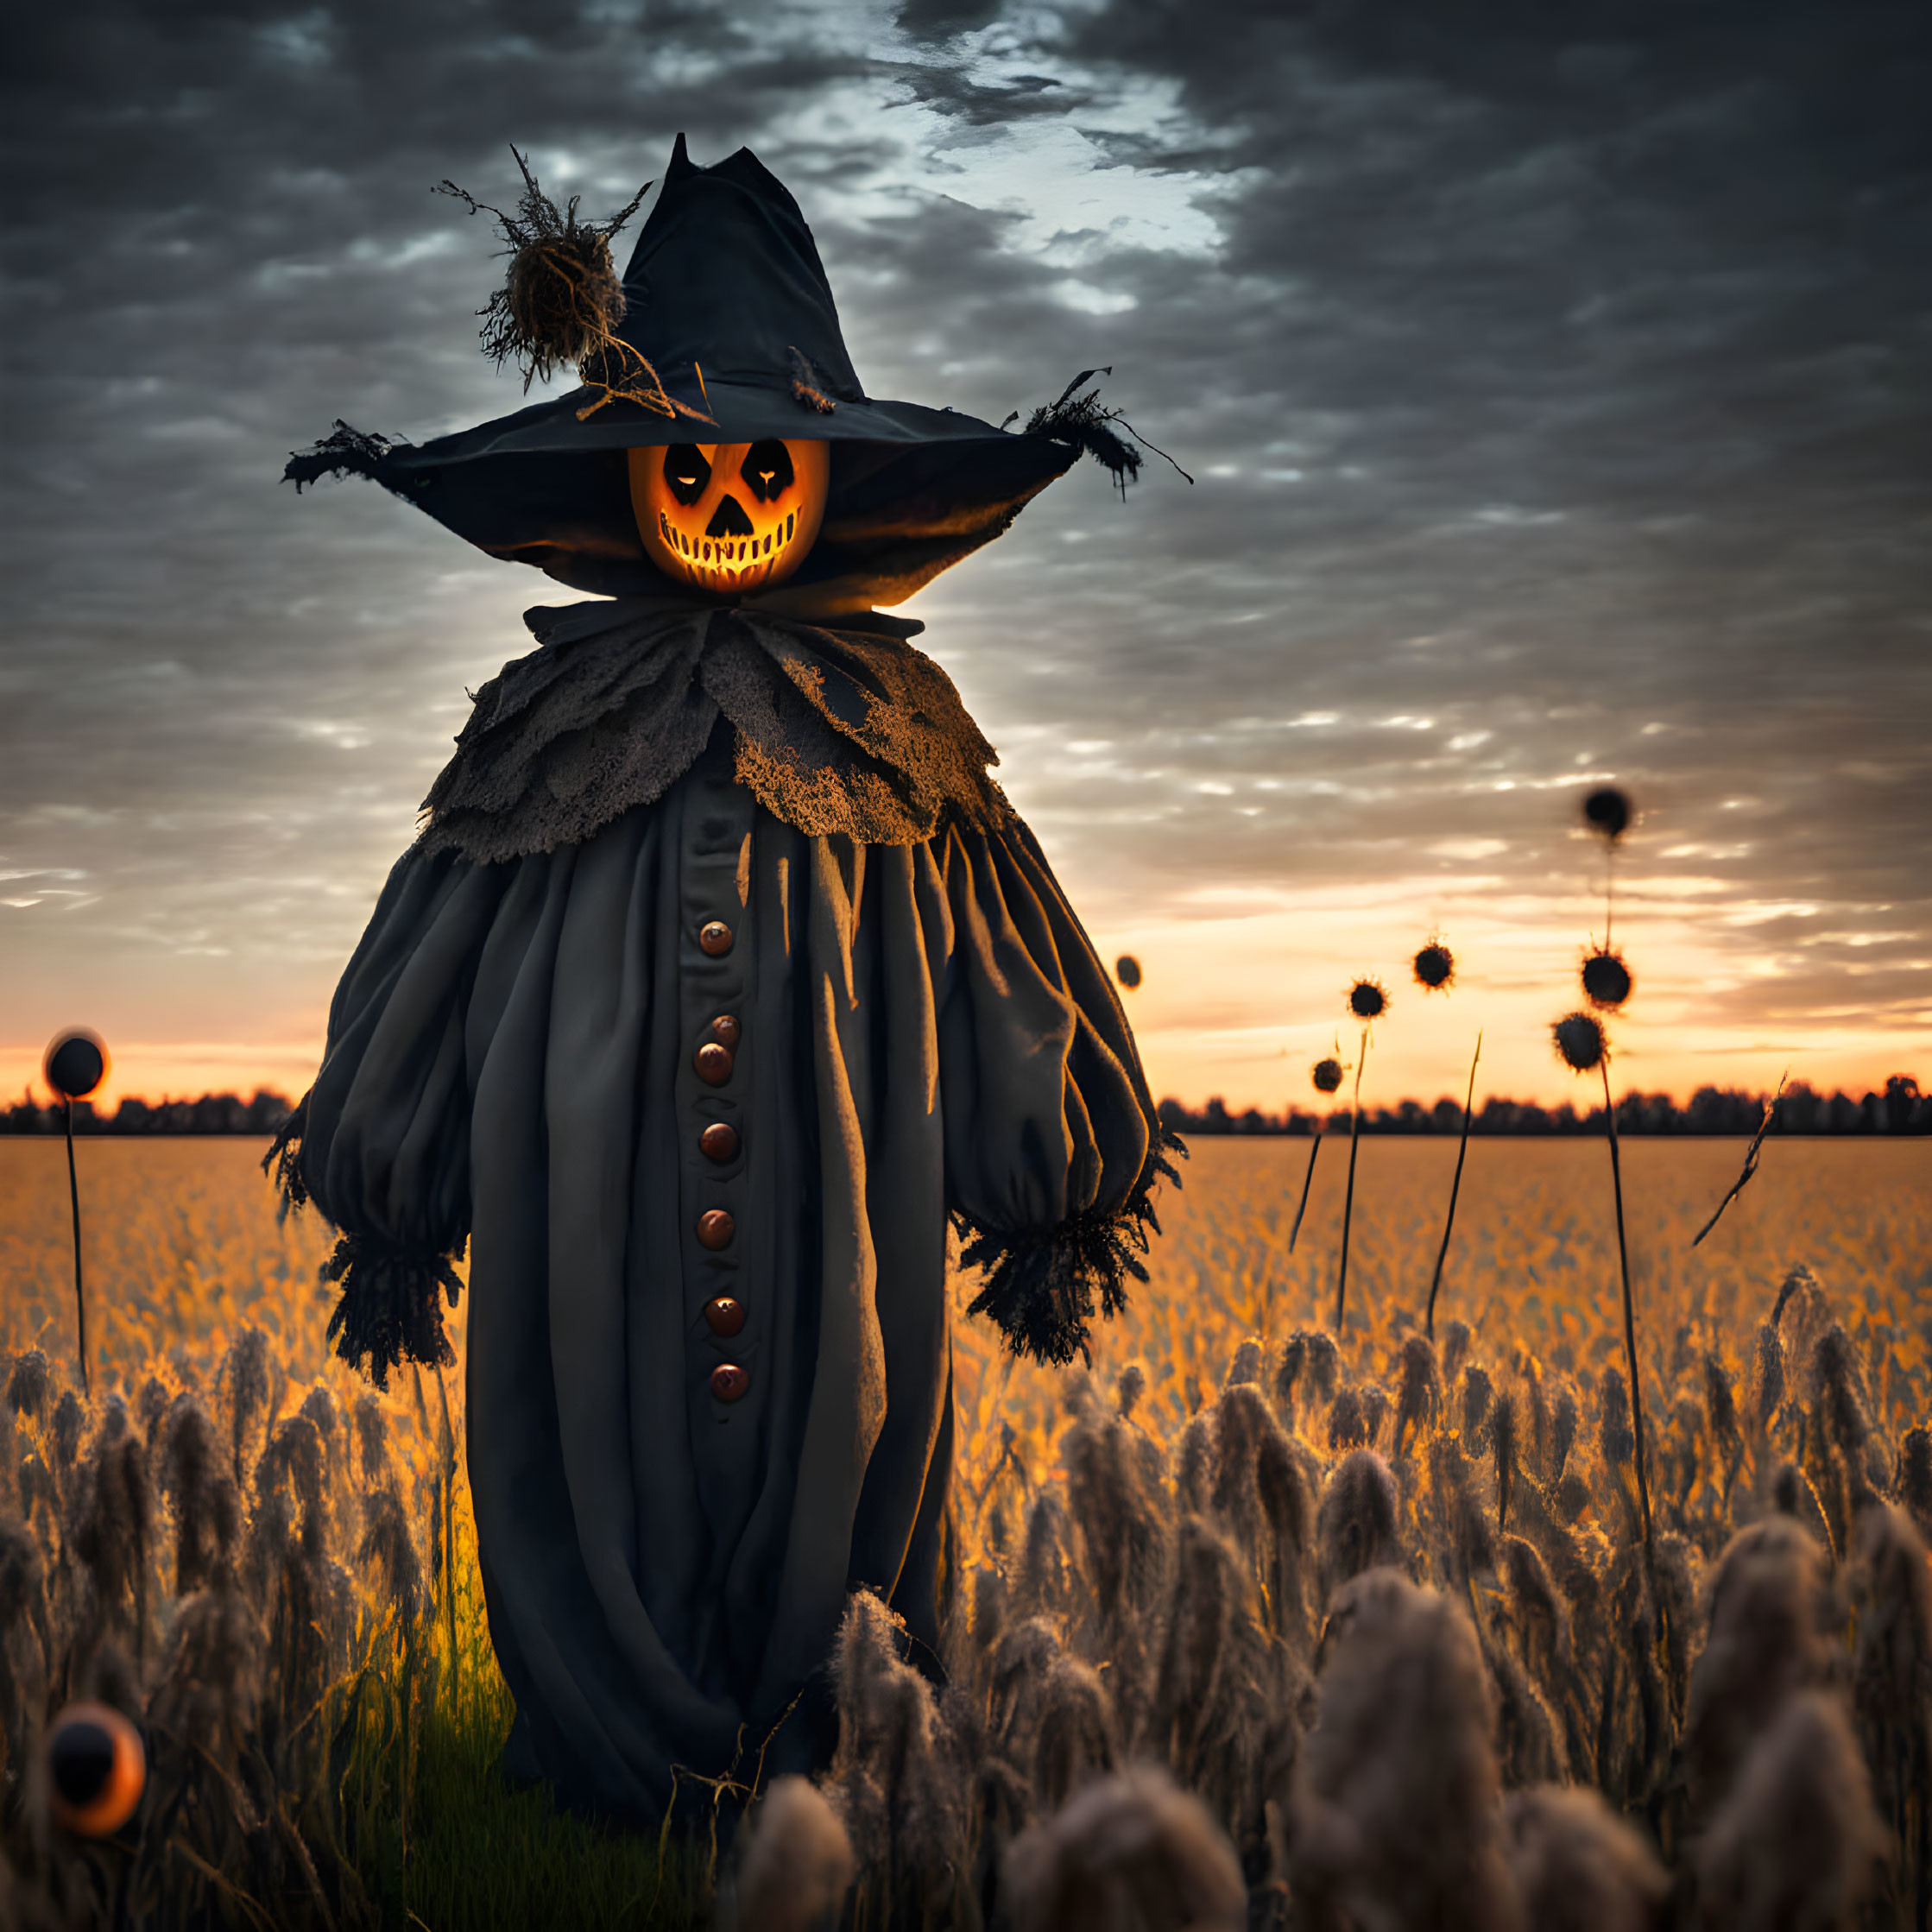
1308 1180
1456 1188
447 1449
79 1297
1750 1162
1349 1198
1630 1312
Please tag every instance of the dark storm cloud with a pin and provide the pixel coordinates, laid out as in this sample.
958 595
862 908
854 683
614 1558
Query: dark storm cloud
1555 381
1572 368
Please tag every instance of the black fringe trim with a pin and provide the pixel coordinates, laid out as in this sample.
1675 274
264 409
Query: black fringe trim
1041 1290
283 1161
390 1312
344 452
1081 420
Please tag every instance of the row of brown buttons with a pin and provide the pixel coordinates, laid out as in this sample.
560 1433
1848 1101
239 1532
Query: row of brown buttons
724 1315
715 1059
719 1141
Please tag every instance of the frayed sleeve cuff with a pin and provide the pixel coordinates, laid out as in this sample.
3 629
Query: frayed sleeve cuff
390 1310
1042 1290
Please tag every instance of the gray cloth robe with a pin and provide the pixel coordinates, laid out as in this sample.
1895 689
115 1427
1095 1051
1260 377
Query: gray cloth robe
924 1030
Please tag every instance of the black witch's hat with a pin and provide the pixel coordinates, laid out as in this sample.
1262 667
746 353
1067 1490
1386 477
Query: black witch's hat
729 335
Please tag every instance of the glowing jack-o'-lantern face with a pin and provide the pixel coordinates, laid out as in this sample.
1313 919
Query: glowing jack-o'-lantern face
731 517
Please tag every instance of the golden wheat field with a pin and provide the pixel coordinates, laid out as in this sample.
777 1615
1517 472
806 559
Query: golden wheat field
1317 1638
183 1245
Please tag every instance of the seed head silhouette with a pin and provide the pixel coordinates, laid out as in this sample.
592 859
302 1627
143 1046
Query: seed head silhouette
1608 810
1435 966
1607 981
1580 1040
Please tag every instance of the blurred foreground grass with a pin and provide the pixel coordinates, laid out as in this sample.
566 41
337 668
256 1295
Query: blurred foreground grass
385 1712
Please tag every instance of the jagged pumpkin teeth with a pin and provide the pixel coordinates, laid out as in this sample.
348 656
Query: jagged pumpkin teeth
750 511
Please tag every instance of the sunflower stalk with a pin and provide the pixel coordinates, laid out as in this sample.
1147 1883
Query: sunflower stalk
1308 1181
1348 1196
1630 1315
80 1296
1456 1189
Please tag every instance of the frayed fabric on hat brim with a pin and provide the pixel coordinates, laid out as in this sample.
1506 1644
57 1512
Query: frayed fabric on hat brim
911 493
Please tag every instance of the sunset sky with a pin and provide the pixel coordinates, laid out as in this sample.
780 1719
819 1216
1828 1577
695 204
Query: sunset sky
1555 381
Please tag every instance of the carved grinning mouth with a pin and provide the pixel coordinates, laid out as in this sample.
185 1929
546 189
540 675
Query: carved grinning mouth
728 564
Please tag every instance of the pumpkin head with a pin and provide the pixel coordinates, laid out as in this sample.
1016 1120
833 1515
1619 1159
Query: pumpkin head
730 517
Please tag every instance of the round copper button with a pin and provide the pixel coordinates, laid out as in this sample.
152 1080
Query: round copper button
715 1228
724 1029
724 1315
715 936
714 1063
729 1381
719 1140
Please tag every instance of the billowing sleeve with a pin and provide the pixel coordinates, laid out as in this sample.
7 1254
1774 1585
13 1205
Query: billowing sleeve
1053 1146
380 1142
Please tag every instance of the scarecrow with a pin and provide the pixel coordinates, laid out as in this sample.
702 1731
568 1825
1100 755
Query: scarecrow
721 975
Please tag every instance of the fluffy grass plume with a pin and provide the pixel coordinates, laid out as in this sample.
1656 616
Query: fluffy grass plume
1129 1853
1155 1567
797 1865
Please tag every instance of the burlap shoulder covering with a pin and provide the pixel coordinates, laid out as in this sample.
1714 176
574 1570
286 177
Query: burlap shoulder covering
839 732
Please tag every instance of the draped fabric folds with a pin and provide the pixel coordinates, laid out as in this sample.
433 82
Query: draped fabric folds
922 1028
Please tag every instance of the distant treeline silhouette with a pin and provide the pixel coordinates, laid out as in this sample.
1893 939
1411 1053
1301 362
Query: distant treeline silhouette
212 1113
1901 1108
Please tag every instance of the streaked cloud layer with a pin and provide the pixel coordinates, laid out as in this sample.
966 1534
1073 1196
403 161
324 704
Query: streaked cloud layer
1555 382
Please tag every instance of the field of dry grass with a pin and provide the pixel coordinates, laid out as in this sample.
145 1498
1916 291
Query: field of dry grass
1175 1561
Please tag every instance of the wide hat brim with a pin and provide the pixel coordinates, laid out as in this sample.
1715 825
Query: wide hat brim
912 491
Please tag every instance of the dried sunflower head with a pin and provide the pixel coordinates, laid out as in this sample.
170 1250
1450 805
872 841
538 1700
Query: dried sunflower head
1326 1074
1435 966
1580 1041
1368 999
1607 981
1607 811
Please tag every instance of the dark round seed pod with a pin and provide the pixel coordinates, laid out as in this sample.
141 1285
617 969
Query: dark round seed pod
1327 1076
1435 966
1126 970
76 1063
1368 999
1607 981
1607 811
1580 1039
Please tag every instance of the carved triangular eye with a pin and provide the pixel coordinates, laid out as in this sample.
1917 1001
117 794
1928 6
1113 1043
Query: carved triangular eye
686 471
766 470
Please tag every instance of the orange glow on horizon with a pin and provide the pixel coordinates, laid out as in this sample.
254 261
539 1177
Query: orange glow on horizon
1239 1005
1244 986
